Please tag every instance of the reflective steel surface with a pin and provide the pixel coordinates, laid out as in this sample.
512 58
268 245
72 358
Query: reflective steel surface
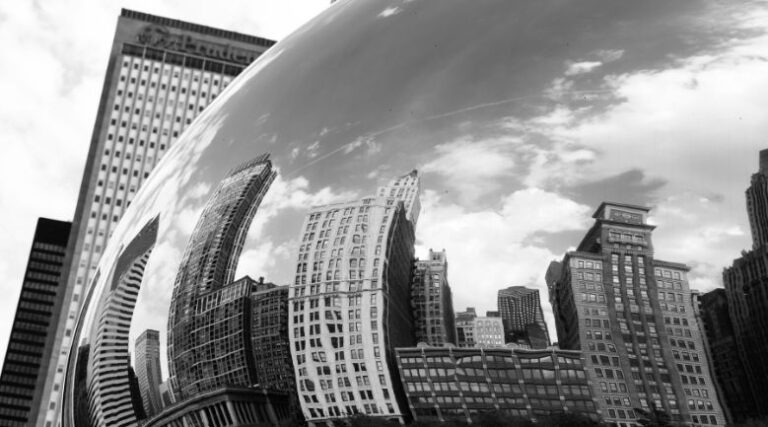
481 97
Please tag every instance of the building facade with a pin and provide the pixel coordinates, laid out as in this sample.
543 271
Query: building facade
746 286
204 295
520 309
445 384
488 332
632 317
146 356
269 338
350 306
161 73
226 407
465 327
723 353
432 301
31 341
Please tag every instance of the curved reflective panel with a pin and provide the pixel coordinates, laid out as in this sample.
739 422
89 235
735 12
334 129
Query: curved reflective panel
376 131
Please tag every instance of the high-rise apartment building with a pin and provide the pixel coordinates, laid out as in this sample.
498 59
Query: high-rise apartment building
465 327
432 301
523 317
746 286
631 316
445 384
32 335
406 188
350 306
161 73
488 332
147 368
204 295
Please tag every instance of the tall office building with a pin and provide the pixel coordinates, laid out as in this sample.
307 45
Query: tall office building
350 307
109 383
724 357
269 338
34 326
147 368
204 296
432 301
161 73
631 316
465 327
523 317
746 286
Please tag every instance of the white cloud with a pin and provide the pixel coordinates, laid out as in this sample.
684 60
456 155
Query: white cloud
390 11
473 167
581 67
609 55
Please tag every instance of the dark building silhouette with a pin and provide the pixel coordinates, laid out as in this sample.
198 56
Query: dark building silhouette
631 316
724 356
432 301
523 318
136 398
746 286
154 63
209 342
446 384
34 326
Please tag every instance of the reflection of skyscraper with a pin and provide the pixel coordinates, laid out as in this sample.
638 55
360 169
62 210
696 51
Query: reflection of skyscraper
432 301
161 73
746 285
465 327
631 316
109 388
34 326
209 318
523 317
488 332
407 189
147 362
350 307
269 337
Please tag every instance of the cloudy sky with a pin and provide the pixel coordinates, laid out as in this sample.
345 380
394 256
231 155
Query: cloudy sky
522 118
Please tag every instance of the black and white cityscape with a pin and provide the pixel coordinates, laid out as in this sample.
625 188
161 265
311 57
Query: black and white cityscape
385 212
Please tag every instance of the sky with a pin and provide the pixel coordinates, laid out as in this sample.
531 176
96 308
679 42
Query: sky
521 117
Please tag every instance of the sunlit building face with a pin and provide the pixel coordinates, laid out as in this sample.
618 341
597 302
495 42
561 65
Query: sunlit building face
329 122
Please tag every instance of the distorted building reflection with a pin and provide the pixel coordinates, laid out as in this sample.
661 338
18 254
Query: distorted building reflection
209 343
432 301
351 303
147 367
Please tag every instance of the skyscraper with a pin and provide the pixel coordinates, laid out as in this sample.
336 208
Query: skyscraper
523 317
746 286
406 188
161 73
350 307
724 357
34 326
205 298
432 301
631 316
465 327
147 368
269 337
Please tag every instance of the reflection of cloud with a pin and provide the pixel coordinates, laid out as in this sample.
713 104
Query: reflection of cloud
258 261
582 67
390 11
473 167
485 249
609 55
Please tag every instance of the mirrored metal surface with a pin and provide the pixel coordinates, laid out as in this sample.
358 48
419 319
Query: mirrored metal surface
471 94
